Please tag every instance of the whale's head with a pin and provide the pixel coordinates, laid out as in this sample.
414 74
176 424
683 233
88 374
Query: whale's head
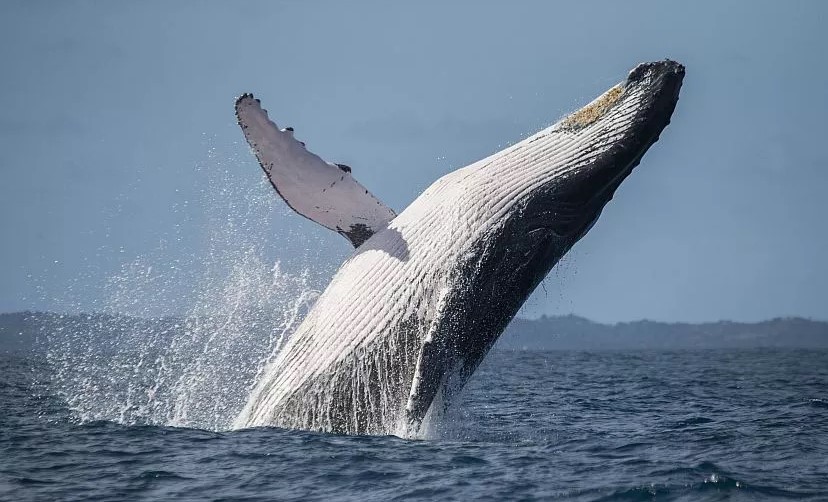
543 194
577 165
595 149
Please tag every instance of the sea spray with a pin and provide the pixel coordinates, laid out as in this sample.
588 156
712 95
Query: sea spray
145 359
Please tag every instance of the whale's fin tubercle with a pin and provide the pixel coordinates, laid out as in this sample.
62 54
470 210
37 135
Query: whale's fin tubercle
321 191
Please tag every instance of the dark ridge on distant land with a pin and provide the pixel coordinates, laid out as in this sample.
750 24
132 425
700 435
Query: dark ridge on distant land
576 333
22 332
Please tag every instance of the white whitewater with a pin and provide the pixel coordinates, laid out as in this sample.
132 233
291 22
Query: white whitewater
146 361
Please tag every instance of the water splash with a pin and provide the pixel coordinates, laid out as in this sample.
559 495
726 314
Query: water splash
147 360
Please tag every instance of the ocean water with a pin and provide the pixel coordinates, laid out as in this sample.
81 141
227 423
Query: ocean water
684 425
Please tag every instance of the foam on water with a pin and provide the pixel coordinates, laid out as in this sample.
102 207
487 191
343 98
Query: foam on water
149 362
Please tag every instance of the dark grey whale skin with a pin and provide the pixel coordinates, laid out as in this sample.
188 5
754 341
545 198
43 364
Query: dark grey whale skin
509 265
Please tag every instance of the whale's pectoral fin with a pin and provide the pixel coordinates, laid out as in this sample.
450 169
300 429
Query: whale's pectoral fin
321 191
428 377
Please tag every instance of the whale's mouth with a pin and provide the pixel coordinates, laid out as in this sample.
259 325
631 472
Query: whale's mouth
635 112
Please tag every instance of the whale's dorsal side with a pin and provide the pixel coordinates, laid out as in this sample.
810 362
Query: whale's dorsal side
321 191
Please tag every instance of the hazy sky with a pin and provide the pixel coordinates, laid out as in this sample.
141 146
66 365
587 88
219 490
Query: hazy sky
110 112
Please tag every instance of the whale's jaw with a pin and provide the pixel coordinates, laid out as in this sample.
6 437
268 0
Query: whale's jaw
653 89
410 316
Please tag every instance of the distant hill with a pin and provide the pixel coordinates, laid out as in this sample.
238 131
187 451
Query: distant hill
576 333
24 332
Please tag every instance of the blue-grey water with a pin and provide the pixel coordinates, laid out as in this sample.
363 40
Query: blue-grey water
684 425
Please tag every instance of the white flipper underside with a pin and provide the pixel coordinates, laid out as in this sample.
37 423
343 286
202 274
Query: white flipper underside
321 191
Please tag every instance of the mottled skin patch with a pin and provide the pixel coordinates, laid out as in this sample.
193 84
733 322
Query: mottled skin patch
357 234
595 110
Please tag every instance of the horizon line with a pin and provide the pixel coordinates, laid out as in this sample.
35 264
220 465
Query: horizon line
531 319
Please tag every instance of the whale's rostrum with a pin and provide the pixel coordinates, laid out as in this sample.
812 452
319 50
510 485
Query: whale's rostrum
413 311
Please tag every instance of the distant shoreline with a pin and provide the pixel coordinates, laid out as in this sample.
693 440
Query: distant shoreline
25 332
577 333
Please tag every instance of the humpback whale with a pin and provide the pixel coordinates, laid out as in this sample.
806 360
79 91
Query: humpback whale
412 312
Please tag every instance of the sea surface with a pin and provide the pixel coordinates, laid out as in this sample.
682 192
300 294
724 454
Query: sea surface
643 425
